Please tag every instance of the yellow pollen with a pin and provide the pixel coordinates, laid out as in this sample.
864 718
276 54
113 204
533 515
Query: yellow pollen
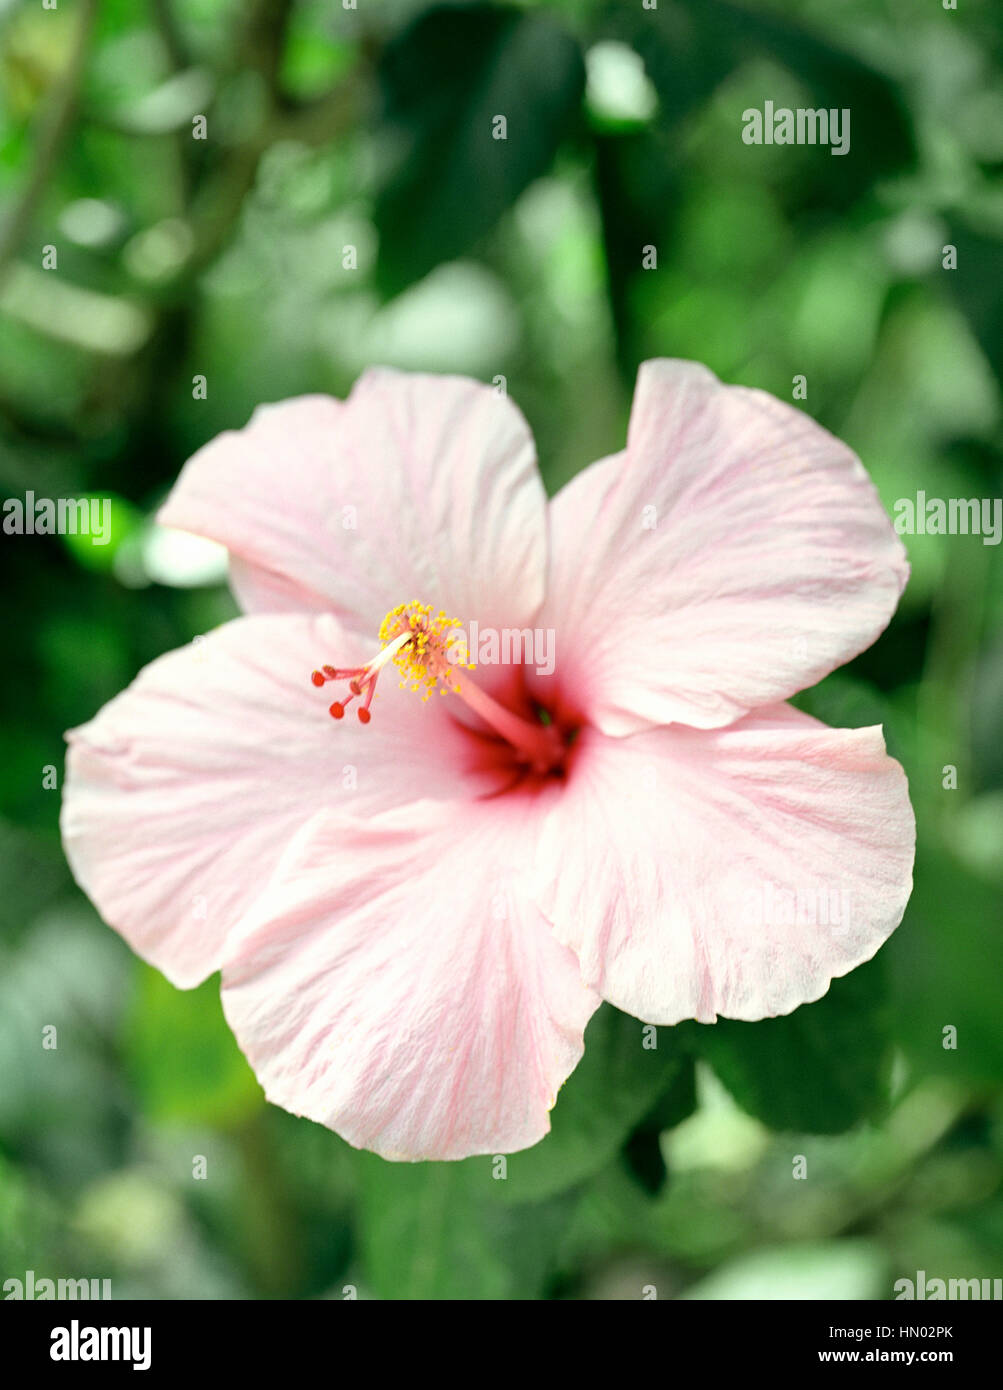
435 651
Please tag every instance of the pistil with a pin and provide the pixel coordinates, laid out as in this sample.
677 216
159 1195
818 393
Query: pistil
539 744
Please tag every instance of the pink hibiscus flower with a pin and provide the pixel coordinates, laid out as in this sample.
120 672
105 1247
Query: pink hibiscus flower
416 911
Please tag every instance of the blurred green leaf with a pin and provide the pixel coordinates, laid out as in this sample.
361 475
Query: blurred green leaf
642 1152
425 1233
684 57
61 995
170 106
980 263
33 868
184 1061
882 139
105 324
818 1070
946 969
987 717
836 1269
445 81
96 548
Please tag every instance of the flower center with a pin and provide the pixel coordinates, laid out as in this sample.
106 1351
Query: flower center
429 651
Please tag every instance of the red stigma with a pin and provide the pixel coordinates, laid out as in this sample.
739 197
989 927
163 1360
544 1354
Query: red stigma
361 684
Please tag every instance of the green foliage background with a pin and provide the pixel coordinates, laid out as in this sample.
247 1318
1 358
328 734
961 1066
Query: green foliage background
224 257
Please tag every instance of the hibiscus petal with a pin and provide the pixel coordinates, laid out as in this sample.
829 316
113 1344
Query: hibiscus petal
183 792
396 985
416 487
733 555
734 871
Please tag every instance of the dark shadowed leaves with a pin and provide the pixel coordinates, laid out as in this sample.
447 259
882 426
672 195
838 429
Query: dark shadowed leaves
687 55
642 1153
946 970
818 1070
446 81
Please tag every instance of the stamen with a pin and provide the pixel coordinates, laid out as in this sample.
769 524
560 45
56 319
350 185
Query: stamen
426 648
